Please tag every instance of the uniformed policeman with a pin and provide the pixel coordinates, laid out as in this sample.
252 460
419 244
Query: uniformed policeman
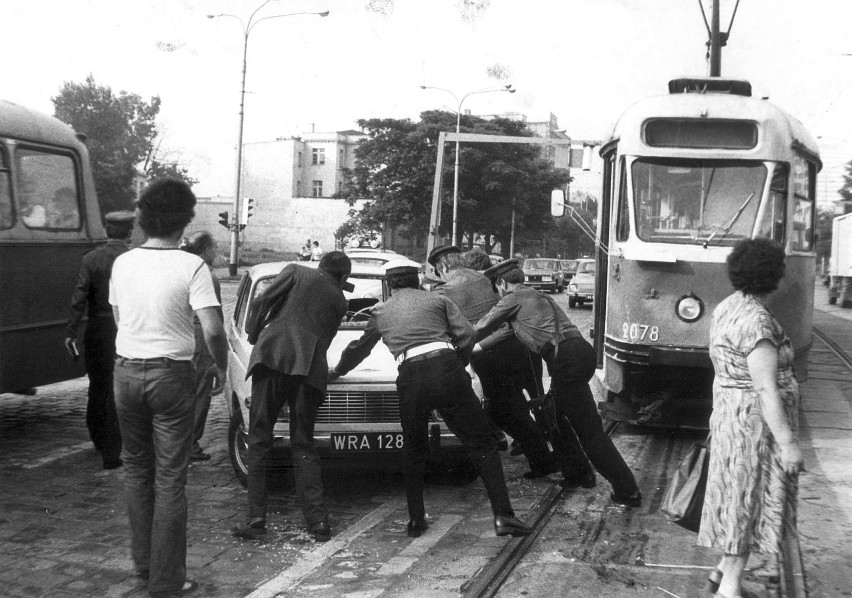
91 297
543 327
432 341
503 368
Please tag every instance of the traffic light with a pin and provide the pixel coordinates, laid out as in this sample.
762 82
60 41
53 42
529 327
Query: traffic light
248 207
223 219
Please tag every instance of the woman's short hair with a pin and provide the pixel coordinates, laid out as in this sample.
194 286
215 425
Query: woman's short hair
756 266
165 208
404 281
198 242
476 259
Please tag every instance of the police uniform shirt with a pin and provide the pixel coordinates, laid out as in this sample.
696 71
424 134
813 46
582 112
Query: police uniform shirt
408 319
92 290
474 295
531 315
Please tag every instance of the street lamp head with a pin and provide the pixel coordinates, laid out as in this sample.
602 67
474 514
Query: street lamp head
422 87
324 13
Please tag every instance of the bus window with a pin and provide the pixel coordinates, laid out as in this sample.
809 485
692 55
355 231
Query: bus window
6 219
696 201
49 197
804 185
774 213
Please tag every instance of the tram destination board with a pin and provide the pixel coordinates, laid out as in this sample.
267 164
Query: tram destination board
364 442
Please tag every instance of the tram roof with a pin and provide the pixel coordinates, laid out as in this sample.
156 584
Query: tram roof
19 122
774 122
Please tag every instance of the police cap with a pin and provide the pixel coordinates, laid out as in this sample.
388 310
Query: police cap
121 218
437 252
496 270
401 266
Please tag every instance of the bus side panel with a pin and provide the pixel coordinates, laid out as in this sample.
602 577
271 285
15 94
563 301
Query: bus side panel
32 324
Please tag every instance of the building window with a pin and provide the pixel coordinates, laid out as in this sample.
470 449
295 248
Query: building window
299 189
318 155
299 159
317 188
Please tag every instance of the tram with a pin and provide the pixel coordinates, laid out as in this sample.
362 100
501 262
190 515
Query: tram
49 217
685 176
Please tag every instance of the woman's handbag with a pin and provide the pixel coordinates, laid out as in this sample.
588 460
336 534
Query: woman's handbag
684 496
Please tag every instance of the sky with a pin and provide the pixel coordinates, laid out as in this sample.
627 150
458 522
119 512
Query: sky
585 61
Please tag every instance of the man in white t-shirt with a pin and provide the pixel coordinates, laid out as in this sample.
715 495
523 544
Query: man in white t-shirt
155 289
316 252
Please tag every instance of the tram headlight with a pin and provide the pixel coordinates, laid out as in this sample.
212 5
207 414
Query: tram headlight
689 308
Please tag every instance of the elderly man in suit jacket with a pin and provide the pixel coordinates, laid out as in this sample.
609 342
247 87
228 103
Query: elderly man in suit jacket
291 326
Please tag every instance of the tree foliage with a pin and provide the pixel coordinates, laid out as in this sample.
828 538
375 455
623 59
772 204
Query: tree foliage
121 130
157 170
395 168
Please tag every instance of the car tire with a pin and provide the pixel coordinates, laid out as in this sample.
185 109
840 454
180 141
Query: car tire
572 302
238 447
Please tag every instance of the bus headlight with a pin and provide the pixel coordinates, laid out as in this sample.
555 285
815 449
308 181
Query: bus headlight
689 308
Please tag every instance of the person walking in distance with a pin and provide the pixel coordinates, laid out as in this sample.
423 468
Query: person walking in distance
545 329
291 326
502 369
431 340
203 245
91 297
154 290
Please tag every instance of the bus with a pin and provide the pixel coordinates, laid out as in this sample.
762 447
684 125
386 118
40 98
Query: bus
49 217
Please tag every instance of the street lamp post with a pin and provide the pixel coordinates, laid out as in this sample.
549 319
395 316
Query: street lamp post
458 130
235 220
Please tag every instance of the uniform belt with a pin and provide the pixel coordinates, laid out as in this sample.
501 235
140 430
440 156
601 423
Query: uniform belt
423 349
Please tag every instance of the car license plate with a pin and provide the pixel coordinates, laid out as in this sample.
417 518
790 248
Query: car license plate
367 441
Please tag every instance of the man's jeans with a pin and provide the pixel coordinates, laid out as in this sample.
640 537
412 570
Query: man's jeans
154 400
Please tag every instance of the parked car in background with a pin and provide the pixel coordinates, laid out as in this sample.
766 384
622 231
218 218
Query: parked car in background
371 257
569 268
581 289
359 420
544 274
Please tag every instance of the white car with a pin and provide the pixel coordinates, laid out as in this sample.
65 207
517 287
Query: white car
581 289
359 419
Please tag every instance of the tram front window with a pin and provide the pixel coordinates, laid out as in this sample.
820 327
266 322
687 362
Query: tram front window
696 201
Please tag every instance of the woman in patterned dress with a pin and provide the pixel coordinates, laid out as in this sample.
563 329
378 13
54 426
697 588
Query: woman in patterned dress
754 455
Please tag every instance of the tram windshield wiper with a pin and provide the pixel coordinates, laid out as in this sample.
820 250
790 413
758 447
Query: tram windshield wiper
726 227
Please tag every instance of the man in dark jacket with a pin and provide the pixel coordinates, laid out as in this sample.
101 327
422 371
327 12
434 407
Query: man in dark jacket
91 297
291 326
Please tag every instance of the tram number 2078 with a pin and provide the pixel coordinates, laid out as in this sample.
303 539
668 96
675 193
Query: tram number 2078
640 332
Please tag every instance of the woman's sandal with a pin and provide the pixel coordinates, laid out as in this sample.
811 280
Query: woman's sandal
713 581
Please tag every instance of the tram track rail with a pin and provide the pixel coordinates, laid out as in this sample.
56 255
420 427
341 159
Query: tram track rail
488 580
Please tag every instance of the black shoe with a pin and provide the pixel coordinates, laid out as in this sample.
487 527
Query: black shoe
113 464
321 531
503 444
254 528
189 586
199 456
628 500
516 449
586 481
536 472
415 528
509 525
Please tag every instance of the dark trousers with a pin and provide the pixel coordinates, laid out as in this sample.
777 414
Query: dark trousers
439 381
270 391
154 400
101 420
203 362
581 428
503 372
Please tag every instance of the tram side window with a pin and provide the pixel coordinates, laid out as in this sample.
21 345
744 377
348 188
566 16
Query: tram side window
48 190
6 219
774 213
623 224
804 190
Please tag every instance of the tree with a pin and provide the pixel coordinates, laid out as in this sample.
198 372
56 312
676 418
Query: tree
157 170
120 131
396 164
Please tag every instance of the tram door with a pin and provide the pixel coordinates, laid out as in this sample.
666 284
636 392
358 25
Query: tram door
602 253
